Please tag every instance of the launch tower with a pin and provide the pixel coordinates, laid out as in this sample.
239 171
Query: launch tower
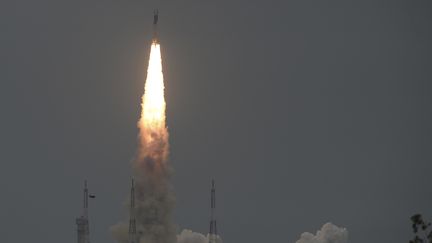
213 227
83 222
132 221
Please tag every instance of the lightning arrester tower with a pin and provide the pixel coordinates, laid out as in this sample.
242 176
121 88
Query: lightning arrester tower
83 222
132 221
213 227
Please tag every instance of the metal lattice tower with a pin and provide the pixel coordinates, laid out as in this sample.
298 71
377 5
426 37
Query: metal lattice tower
213 227
82 222
132 221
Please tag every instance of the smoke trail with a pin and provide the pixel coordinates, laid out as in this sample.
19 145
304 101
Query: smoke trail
154 198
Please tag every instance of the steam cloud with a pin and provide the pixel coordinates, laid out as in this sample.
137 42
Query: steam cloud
329 233
188 236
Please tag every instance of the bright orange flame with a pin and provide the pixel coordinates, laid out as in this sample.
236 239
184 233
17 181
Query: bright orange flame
153 132
153 100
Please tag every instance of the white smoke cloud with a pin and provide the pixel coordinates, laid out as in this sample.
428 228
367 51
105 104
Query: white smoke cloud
188 236
329 233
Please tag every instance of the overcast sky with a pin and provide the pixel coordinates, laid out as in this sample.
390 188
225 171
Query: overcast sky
304 112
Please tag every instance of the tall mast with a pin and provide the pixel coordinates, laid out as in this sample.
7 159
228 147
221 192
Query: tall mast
85 206
132 220
83 229
213 226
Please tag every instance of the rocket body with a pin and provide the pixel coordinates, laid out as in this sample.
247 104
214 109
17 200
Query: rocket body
155 38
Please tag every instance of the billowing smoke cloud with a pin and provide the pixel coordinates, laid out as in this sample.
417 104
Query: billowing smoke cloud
188 236
329 233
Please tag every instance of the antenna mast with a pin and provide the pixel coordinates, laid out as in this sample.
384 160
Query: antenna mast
132 220
82 222
213 227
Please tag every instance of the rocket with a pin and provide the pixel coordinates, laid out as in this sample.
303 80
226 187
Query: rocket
155 38
155 16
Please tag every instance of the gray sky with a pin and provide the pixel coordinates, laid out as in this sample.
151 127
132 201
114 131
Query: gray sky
303 111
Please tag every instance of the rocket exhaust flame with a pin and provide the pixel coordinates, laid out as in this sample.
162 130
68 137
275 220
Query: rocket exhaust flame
154 198
152 126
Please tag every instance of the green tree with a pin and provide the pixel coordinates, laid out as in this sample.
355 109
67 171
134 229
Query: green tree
422 230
